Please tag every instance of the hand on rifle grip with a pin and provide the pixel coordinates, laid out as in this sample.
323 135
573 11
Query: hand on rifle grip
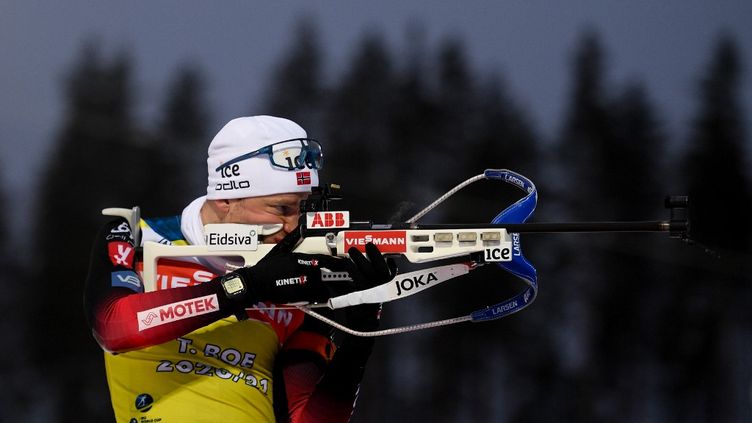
371 271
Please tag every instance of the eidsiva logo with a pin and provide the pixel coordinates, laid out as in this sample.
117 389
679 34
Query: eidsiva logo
144 402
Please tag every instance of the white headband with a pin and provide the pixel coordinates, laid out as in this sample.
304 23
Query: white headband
256 176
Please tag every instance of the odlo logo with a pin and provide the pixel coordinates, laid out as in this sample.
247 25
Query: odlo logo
419 281
144 402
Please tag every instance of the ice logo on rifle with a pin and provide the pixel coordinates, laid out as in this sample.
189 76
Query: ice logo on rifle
144 402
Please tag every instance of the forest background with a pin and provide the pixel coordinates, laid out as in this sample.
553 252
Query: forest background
630 327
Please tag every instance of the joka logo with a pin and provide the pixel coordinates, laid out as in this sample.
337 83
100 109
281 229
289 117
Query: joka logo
328 219
121 253
304 178
176 311
416 282
387 241
144 402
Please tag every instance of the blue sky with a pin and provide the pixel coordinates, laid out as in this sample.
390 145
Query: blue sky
665 44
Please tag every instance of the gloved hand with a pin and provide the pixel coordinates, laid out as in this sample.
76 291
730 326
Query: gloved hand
369 272
289 277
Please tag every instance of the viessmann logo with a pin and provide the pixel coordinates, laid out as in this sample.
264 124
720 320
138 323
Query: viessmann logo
176 311
387 241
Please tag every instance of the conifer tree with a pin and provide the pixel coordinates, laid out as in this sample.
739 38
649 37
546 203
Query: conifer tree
357 126
710 310
587 133
715 166
296 85
182 141
93 165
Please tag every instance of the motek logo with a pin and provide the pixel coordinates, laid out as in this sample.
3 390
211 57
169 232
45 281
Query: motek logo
291 281
328 219
176 311
387 241
416 282
121 253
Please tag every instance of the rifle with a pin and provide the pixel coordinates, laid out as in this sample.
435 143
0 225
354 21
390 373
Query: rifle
323 230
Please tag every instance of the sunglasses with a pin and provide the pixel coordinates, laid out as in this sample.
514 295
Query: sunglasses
294 154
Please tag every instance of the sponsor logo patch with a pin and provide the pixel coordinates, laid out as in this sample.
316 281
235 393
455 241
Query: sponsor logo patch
419 282
312 262
231 236
144 402
121 253
387 241
180 310
301 280
497 254
127 279
328 219
232 185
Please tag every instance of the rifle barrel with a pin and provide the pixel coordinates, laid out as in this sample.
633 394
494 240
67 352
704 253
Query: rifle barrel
563 227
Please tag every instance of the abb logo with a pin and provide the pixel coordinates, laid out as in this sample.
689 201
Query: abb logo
121 253
387 241
328 219
176 311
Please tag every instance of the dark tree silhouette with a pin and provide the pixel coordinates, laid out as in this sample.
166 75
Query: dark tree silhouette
183 137
94 165
295 90
357 128
711 307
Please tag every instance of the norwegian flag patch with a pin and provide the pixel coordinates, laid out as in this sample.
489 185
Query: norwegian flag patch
304 178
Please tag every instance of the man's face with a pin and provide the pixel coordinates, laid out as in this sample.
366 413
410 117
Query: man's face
281 209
